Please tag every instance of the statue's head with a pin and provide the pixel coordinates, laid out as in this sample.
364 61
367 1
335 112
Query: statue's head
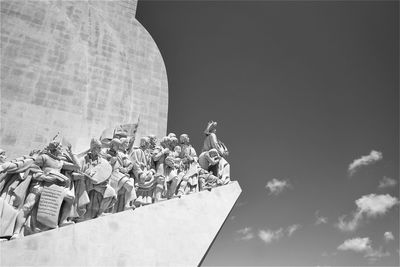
3 156
211 127
184 139
165 142
178 149
173 142
54 148
171 135
95 146
115 144
124 143
144 142
153 140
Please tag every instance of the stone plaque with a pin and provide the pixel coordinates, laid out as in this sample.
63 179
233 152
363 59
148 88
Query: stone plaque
49 205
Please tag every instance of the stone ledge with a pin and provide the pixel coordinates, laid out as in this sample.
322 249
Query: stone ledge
176 232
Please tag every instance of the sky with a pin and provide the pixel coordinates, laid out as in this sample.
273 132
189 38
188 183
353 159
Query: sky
306 96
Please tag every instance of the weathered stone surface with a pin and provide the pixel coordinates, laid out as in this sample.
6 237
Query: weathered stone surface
177 232
76 67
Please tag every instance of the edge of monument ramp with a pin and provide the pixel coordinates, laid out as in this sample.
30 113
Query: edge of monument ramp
176 232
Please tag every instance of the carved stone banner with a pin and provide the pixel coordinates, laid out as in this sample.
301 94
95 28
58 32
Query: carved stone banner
49 205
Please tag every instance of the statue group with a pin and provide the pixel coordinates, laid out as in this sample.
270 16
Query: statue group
54 187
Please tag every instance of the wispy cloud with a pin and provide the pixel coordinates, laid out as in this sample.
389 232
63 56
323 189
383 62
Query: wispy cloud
320 219
386 182
363 245
371 206
375 254
273 235
349 226
245 233
374 156
356 244
268 235
388 236
291 229
276 186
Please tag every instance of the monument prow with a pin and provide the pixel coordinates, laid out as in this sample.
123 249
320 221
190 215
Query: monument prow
176 232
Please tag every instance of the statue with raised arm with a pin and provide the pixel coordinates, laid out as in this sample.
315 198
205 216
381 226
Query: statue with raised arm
222 169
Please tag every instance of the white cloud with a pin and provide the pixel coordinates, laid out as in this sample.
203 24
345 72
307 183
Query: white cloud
363 245
291 229
373 205
268 235
388 236
245 233
356 244
320 219
387 182
373 157
370 205
276 186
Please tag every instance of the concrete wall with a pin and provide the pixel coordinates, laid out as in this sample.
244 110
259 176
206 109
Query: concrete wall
76 67
176 232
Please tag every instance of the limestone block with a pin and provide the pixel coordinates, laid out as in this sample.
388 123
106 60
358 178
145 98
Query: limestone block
76 67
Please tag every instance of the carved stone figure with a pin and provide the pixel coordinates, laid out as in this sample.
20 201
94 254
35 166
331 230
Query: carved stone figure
47 176
222 170
144 175
121 181
3 156
92 185
209 159
160 153
211 140
15 179
188 177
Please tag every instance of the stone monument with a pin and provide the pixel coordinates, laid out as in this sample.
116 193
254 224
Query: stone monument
80 68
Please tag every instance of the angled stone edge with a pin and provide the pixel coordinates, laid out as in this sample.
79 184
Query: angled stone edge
176 232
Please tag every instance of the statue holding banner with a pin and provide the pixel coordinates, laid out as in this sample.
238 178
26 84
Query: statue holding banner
53 187
50 189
